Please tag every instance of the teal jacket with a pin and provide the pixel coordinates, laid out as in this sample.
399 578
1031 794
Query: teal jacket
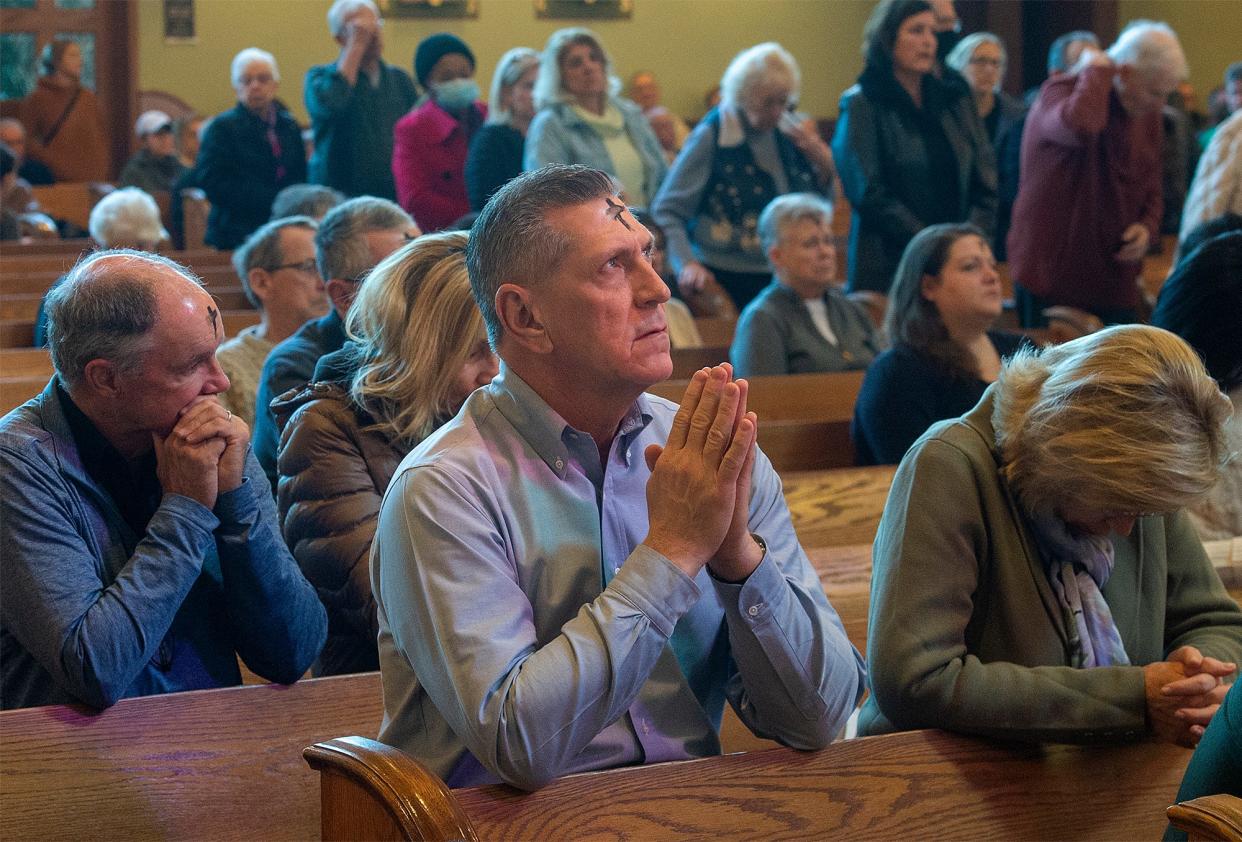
965 632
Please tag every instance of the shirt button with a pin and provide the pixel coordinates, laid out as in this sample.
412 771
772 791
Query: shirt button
753 611
560 464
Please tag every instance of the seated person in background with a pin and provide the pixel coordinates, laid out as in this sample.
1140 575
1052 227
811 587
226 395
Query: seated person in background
125 218
582 120
682 330
155 167
1216 766
495 154
1033 575
801 322
1217 185
945 297
281 279
541 562
419 350
1202 303
430 143
249 153
351 239
644 91
141 550
10 228
739 158
187 130
13 135
313 200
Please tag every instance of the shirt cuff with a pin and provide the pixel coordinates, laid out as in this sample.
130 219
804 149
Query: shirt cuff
233 506
187 508
655 586
752 600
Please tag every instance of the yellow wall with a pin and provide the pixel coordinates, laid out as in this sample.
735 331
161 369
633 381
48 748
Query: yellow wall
1209 37
687 43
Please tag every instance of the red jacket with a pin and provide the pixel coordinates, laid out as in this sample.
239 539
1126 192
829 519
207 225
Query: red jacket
428 164
1089 170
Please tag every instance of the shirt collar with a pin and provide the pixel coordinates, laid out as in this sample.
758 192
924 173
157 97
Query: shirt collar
543 428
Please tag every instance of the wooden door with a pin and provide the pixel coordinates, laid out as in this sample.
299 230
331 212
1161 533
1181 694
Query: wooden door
106 30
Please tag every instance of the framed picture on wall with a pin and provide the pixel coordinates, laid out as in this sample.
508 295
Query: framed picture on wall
584 9
430 8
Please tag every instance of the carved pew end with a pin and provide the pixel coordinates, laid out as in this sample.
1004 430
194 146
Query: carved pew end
369 790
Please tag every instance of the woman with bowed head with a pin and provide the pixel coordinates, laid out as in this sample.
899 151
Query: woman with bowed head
741 156
249 154
1035 577
61 115
430 143
801 322
910 149
946 295
418 350
582 120
495 154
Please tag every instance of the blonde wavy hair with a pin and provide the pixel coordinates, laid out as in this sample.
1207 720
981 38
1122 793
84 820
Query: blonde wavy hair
416 324
1123 420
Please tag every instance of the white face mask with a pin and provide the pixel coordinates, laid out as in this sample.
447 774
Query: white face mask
455 95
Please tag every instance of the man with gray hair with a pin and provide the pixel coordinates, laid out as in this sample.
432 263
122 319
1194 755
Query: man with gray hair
354 102
571 574
1090 200
351 239
281 278
142 553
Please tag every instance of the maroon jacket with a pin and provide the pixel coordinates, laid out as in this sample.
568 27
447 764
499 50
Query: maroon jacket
428 165
1089 171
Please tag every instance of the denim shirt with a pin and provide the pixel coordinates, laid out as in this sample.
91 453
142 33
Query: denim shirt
526 632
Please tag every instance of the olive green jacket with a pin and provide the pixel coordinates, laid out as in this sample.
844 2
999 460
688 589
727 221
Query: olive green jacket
965 632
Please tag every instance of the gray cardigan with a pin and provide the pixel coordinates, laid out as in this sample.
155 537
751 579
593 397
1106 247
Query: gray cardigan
776 335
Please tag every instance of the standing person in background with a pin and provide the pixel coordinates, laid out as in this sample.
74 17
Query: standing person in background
739 158
354 102
495 154
1063 55
430 143
1090 201
910 149
155 167
582 120
981 59
62 116
249 154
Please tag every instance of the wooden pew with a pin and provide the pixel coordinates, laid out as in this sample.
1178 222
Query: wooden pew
19 333
1211 817
38 281
70 200
210 764
914 785
837 507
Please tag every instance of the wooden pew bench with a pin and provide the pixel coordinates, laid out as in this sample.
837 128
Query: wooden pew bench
837 507
209 764
19 333
914 785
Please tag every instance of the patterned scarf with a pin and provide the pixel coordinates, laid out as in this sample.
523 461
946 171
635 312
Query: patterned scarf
273 139
1078 567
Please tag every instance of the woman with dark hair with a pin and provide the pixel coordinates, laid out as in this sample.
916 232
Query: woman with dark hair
945 297
62 117
910 149
1202 303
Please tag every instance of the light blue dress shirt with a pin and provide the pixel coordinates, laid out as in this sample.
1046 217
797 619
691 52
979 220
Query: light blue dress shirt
525 632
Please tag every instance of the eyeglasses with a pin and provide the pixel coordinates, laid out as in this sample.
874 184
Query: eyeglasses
308 266
986 61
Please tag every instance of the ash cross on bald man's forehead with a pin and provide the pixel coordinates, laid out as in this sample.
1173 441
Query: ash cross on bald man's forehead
212 314
620 209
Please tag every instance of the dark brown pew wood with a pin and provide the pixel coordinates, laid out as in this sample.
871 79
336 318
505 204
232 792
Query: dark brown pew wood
212 764
790 396
686 361
716 331
40 280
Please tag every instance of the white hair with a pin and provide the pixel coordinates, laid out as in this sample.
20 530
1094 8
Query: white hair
961 55
252 54
754 66
342 10
1150 47
548 90
127 217
512 66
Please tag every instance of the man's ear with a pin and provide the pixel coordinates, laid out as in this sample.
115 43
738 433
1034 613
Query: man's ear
260 281
341 292
102 377
520 317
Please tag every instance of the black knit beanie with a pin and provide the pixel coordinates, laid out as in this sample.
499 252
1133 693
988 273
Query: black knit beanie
433 48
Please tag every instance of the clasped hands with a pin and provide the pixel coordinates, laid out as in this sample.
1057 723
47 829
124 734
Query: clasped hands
698 496
1183 694
204 455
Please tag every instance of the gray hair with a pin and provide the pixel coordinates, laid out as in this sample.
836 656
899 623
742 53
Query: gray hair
1058 53
548 90
960 55
105 312
248 55
512 242
127 217
342 9
512 66
340 242
313 200
262 251
754 66
789 208
1150 47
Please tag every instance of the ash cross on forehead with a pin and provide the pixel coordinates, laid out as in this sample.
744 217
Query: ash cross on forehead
212 313
620 209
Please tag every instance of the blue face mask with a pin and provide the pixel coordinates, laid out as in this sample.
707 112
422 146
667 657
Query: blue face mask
457 95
